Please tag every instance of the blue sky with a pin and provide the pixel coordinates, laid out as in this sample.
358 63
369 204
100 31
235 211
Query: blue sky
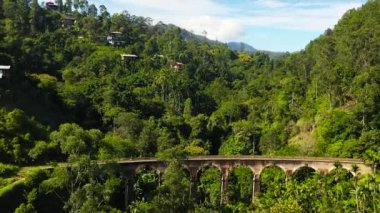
276 25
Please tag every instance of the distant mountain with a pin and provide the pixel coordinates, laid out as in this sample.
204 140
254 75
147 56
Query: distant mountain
235 46
244 47
241 47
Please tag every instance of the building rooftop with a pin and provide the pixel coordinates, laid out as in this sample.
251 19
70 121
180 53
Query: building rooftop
5 67
128 56
115 34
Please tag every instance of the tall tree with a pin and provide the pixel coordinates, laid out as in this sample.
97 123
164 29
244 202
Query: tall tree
76 4
60 5
18 14
1 9
105 18
92 10
68 6
35 17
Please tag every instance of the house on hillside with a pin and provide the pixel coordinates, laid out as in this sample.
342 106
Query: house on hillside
115 39
4 70
68 21
177 65
155 56
128 61
125 57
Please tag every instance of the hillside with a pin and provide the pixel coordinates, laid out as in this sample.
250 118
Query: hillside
87 85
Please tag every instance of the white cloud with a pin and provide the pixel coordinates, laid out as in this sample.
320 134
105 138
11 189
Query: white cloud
296 17
216 28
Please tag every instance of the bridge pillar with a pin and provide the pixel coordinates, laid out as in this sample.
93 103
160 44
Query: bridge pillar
324 171
255 186
288 175
128 190
224 187
193 172
126 194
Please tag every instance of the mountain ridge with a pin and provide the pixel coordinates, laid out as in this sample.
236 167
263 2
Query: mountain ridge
244 47
237 46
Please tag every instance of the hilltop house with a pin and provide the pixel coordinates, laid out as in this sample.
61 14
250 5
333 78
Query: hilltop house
68 21
128 61
177 65
115 39
128 56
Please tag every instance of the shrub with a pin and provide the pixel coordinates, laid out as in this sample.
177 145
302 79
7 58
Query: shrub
7 170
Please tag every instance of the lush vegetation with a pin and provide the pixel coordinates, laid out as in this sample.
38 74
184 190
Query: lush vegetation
69 97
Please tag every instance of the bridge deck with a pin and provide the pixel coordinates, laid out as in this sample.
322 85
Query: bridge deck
250 157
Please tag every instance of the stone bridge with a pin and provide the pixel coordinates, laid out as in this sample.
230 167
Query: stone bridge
257 164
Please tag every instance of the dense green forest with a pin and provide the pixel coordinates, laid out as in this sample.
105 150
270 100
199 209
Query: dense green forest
88 85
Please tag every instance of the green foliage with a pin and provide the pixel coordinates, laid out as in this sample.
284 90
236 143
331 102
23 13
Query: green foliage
146 182
337 130
19 135
225 115
25 208
114 147
84 186
141 206
333 193
21 194
74 141
286 206
46 81
8 170
8 193
243 141
234 146
28 208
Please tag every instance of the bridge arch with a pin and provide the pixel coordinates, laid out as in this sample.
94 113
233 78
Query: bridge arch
271 176
272 165
296 168
212 183
348 170
159 171
253 170
304 172
240 184
208 165
145 181
187 168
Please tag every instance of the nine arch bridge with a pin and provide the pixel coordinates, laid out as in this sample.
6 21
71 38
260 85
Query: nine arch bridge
257 164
